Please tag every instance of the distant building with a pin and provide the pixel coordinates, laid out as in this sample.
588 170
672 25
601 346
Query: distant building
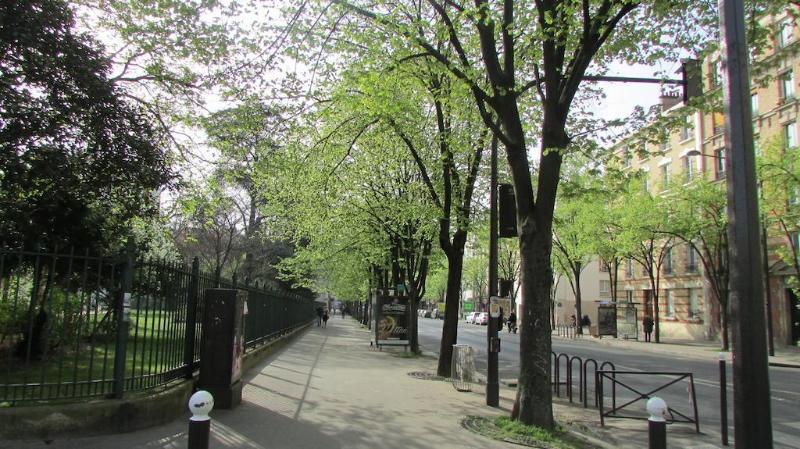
686 308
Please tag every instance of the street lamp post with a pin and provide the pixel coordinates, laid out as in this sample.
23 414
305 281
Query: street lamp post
752 415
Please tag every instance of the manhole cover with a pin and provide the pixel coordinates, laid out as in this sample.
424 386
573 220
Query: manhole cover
422 375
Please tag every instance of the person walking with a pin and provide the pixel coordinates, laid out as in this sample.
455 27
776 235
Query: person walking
319 316
647 325
325 319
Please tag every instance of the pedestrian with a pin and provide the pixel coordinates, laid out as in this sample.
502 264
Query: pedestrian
319 316
647 324
512 322
325 319
572 321
585 321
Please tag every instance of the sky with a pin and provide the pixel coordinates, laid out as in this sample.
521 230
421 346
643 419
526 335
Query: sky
622 98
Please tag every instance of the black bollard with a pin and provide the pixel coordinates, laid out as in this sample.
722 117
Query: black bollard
657 423
723 399
200 404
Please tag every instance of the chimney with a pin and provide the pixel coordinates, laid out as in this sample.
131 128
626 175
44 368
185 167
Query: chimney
669 99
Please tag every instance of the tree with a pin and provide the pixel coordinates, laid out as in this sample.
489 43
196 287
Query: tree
647 240
247 138
779 178
697 217
77 162
571 241
557 42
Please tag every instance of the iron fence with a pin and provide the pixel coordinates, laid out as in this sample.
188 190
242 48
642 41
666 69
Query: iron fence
61 315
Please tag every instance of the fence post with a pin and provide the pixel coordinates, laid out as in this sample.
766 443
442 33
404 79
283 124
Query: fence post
657 424
122 309
191 318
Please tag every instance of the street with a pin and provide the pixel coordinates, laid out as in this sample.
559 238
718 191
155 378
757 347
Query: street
785 392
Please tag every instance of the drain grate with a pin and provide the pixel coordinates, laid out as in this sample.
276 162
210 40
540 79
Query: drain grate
422 375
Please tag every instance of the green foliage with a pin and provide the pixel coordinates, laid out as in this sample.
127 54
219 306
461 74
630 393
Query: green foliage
778 170
77 161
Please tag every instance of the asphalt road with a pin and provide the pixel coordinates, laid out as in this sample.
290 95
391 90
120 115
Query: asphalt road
783 381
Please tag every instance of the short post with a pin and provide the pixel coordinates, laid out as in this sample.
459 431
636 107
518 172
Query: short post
723 399
657 423
200 404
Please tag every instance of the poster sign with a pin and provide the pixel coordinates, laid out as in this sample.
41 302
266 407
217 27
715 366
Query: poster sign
392 320
606 319
469 307
494 307
628 325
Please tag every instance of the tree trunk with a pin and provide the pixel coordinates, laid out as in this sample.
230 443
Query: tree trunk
723 306
455 263
534 394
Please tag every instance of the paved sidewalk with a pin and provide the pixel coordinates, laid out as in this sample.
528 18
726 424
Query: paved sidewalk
328 389
784 356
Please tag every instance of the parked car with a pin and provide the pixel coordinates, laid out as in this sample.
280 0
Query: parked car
427 314
482 318
470 317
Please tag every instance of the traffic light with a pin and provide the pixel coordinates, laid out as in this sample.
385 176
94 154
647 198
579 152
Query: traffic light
506 287
692 79
507 211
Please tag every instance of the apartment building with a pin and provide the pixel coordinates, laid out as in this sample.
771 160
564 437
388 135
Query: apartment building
687 308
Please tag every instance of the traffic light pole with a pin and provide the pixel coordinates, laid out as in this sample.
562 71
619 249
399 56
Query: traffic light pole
752 415
492 340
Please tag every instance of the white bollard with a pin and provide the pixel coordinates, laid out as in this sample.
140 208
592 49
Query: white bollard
200 404
657 423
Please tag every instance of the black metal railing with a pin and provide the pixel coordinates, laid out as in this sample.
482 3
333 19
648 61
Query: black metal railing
60 313
563 374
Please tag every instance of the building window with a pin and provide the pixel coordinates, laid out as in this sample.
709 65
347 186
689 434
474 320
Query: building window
754 104
629 268
719 163
794 196
691 259
694 303
629 295
716 74
668 261
626 157
786 85
785 33
718 122
669 301
605 287
664 146
603 267
665 176
687 131
790 135
689 168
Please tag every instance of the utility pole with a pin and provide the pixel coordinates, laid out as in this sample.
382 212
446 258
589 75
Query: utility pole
492 340
752 416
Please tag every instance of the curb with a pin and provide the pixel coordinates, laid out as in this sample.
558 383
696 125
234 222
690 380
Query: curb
783 365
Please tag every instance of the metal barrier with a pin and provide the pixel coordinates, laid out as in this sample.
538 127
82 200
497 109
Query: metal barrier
568 363
674 415
566 330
